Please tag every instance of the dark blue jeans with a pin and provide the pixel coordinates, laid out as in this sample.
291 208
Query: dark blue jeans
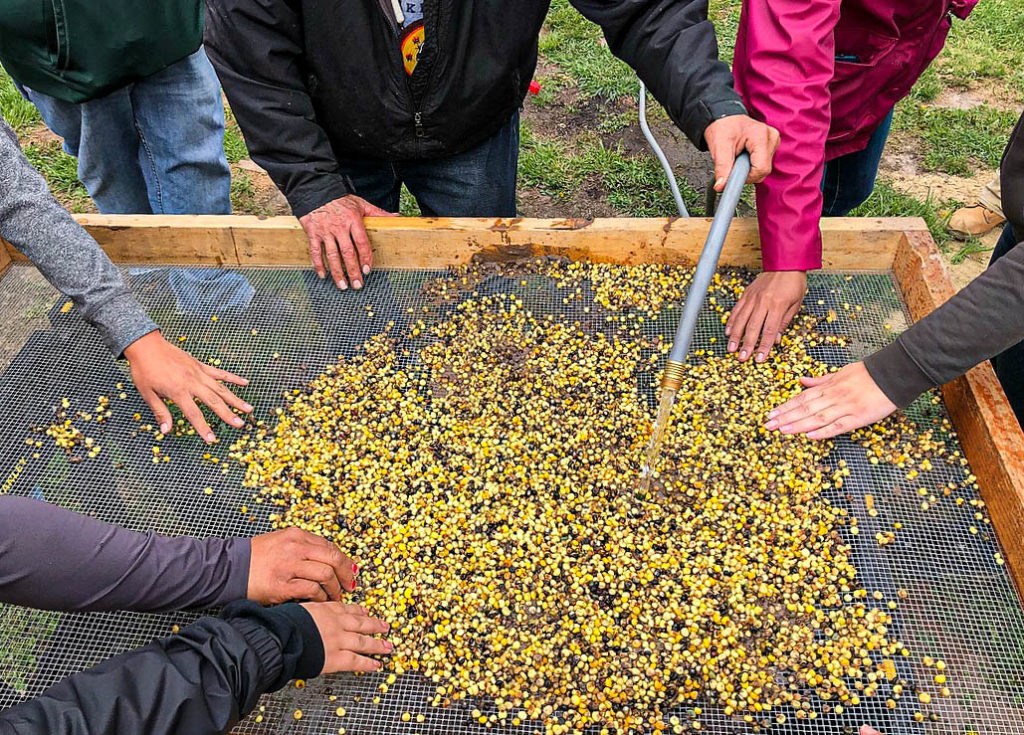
480 182
850 179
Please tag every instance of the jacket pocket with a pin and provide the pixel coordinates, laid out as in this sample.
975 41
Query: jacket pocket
58 43
858 48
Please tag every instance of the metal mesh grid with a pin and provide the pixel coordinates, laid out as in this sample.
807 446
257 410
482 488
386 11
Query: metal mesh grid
961 607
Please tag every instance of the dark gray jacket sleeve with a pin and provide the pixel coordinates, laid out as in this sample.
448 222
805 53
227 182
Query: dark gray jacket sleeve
672 46
290 144
982 320
201 681
53 559
33 221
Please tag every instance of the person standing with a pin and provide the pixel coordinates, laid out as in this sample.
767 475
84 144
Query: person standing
342 104
827 74
128 87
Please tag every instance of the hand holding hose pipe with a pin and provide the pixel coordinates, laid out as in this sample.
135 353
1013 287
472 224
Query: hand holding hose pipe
728 136
705 270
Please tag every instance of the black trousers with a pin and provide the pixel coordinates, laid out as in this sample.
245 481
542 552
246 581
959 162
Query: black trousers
1009 365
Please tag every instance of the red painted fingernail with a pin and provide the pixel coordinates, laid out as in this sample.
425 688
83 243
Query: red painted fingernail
353 585
355 569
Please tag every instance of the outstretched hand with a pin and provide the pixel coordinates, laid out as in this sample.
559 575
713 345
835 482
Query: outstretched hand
348 634
763 312
338 237
832 404
292 564
162 371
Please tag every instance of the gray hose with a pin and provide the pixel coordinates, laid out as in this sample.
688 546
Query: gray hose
660 154
708 262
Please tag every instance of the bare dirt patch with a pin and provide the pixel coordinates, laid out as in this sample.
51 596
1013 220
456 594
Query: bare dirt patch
901 166
268 199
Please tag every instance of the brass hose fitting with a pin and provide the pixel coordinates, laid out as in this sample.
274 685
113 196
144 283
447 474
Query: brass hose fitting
673 375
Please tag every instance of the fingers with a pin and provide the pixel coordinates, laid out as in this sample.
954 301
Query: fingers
738 321
218 374
769 334
327 554
232 400
816 419
751 331
306 589
761 157
360 643
194 416
365 254
217 404
348 661
161 413
724 157
348 254
316 255
761 147
839 426
333 251
790 313
322 574
810 381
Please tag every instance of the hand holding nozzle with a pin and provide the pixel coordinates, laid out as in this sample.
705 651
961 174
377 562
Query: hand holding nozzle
704 271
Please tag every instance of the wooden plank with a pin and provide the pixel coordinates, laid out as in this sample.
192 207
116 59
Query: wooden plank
405 242
989 433
5 255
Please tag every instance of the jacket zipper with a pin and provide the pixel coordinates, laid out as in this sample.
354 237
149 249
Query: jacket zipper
385 7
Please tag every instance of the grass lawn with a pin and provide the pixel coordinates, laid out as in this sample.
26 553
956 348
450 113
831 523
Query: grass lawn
583 155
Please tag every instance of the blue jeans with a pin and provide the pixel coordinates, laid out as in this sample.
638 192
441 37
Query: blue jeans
480 182
850 179
152 147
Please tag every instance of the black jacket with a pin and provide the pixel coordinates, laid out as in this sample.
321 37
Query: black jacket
312 81
200 681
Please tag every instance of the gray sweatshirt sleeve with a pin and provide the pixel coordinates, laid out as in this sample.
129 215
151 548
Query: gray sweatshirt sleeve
53 559
982 320
33 221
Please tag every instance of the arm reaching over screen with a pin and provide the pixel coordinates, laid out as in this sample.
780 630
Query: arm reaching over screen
54 559
43 231
207 677
980 321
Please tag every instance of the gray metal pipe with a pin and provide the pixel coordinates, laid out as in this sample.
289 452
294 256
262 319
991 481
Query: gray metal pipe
673 185
708 262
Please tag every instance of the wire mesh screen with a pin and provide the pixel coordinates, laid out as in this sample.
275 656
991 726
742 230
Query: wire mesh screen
280 328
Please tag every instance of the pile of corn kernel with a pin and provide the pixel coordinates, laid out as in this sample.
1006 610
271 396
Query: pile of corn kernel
487 484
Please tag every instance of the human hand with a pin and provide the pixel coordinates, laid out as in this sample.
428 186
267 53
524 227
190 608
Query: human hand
336 229
347 631
832 404
292 564
765 309
162 371
728 136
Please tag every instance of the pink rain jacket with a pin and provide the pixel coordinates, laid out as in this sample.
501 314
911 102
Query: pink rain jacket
794 70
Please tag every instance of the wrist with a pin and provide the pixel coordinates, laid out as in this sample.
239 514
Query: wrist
142 344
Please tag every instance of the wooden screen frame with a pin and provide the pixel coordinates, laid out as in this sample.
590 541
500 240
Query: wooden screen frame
991 438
